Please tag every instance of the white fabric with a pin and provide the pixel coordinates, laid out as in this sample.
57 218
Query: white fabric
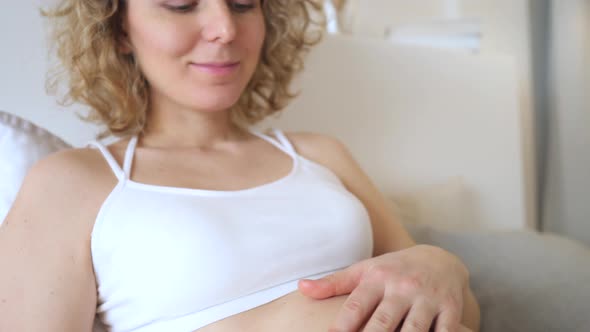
177 259
21 144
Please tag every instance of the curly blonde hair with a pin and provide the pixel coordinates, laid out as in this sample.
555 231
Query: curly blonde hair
86 35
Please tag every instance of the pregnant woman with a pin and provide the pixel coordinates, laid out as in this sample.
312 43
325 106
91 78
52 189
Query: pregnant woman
192 220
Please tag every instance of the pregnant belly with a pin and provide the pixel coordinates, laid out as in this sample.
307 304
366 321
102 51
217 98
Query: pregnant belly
290 313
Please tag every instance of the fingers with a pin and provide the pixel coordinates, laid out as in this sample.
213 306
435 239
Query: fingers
451 313
390 312
339 283
388 315
461 328
448 321
357 308
420 318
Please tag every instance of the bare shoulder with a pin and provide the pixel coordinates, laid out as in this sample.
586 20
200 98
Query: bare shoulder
315 142
68 170
327 151
75 179
70 161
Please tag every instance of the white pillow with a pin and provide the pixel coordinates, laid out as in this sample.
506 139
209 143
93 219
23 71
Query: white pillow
21 144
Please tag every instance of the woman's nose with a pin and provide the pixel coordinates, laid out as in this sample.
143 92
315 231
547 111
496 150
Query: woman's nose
218 23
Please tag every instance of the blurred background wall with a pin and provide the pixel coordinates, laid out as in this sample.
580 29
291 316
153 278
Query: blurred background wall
550 41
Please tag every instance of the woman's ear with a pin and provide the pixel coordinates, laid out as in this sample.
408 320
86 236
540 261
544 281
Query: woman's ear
123 44
123 41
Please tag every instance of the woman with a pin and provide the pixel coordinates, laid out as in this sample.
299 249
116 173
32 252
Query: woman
193 220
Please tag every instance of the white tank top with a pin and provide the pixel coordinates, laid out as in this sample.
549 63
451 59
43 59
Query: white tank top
177 259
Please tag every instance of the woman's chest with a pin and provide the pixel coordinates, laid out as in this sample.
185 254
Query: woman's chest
194 252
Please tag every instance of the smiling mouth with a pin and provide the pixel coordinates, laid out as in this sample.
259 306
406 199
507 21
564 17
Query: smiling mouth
217 68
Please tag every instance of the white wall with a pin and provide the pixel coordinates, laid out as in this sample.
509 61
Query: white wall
22 73
506 30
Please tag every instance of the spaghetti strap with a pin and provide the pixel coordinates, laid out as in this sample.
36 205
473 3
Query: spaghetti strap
129 154
109 158
120 173
281 143
284 141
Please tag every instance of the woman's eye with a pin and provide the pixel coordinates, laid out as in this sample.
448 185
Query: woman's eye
185 8
241 7
235 6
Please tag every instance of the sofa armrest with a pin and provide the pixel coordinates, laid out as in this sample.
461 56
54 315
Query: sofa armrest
524 281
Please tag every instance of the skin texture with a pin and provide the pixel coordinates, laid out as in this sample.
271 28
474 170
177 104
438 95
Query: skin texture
191 142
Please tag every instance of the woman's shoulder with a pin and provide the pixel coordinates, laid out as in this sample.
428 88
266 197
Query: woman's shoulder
326 150
70 163
77 169
63 189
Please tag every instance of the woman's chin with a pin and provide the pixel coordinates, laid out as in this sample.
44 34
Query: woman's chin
213 98
212 108
215 104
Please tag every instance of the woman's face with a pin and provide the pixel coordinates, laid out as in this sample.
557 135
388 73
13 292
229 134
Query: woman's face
196 54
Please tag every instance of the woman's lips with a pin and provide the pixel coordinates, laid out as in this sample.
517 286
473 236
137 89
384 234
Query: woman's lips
217 68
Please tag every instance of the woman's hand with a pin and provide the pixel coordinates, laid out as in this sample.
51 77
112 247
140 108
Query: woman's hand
416 289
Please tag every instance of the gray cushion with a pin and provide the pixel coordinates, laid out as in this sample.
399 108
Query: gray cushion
524 281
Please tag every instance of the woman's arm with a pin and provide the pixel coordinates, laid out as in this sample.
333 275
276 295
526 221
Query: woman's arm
388 233
46 280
